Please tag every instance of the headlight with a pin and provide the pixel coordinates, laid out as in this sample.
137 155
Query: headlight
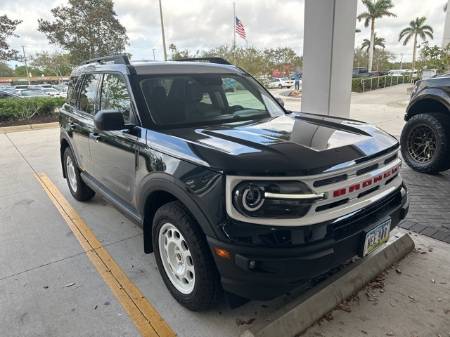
269 199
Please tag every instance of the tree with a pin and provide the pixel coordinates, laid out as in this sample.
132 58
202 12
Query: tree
21 71
379 42
7 28
416 28
56 64
435 58
179 54
86 29
376 9
5 70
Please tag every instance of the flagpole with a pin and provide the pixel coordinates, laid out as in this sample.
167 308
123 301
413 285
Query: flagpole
234 25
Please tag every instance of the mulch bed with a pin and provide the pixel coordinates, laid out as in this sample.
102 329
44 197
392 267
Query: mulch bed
34 120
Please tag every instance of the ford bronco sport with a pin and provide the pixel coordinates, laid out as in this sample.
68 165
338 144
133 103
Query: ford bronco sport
233 192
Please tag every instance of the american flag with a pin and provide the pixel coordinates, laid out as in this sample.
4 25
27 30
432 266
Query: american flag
240 30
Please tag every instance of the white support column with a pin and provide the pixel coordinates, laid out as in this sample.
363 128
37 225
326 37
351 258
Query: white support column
328 56
446 36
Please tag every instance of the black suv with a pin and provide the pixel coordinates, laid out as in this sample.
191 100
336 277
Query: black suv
425 138
233 192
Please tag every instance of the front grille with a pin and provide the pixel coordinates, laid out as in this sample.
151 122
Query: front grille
345 191
366 217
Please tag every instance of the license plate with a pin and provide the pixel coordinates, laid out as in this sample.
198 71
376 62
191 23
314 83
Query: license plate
376 237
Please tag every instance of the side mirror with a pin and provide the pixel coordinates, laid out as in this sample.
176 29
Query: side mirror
109 120
279 100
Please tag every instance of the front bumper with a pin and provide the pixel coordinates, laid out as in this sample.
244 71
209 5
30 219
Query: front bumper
262 273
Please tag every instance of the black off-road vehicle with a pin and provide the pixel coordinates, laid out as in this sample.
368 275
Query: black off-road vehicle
233 192
425 138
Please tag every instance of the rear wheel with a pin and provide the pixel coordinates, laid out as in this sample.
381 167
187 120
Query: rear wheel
77 187
184 259
425 142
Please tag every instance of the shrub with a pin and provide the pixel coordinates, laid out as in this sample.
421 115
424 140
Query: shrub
27 108
372 83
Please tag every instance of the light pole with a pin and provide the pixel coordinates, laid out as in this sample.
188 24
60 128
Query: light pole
154 57
162 31
26 64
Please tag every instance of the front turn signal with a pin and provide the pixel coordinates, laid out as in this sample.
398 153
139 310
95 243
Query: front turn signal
223 253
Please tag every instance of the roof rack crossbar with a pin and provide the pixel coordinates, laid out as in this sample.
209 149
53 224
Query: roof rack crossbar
117 59
218 60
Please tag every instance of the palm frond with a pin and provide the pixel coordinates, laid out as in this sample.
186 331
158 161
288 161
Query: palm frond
407 38
428 28
405 32
430 35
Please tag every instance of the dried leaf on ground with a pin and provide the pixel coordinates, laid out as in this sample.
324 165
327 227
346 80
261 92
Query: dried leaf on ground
240 322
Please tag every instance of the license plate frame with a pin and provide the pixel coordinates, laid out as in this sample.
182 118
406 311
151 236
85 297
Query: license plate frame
376 237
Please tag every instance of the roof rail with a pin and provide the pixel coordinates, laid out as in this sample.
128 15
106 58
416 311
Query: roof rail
218 60
117 59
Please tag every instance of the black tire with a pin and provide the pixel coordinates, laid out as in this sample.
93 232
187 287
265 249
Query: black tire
82 192
207 287
439 125
280 86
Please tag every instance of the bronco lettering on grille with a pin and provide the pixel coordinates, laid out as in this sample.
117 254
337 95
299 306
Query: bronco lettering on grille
372 182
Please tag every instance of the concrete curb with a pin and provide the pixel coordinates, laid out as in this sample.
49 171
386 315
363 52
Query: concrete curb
311 306
28 127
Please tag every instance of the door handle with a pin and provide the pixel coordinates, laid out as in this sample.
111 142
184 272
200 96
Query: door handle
95 136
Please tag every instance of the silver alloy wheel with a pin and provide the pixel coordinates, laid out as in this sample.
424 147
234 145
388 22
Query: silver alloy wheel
71 174
176 258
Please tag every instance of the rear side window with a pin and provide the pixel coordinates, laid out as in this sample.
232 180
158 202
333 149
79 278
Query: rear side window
72 91
115 95
87 101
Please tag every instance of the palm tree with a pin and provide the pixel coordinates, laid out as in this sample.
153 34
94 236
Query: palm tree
378 42
376 9
416 28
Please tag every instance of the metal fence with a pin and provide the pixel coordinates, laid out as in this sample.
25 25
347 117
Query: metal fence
372 83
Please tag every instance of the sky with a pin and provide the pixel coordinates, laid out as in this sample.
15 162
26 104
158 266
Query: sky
203 24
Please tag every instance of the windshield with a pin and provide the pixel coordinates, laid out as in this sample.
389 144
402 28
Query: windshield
202 99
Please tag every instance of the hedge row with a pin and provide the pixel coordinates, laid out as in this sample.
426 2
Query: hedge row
12 109
372 83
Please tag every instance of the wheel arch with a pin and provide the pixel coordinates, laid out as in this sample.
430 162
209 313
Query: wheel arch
159 190
428 104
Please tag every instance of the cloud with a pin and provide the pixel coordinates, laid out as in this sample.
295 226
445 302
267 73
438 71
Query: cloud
203 24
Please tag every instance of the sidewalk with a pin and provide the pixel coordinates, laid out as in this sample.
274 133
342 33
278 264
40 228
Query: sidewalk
411 299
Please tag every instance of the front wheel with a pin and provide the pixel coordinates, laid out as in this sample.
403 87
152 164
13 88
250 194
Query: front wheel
79 190
184 259
425 142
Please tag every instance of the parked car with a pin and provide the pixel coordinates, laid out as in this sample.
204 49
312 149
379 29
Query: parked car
7 94
30 93
428 73
360 72
425 138
280 83
53 92
238 196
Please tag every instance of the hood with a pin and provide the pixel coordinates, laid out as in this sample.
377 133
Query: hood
298 144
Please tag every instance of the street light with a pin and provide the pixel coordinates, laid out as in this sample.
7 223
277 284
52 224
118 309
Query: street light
162 31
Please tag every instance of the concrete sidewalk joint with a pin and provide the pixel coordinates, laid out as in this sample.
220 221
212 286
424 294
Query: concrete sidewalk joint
310 307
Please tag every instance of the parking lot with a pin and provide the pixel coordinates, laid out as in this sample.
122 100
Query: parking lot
57 257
